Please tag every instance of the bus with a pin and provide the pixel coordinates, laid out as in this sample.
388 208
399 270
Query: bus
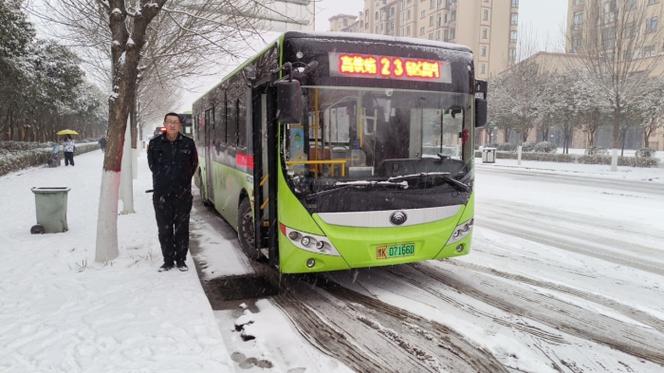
333 151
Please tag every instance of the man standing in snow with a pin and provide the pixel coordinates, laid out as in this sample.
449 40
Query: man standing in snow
173 161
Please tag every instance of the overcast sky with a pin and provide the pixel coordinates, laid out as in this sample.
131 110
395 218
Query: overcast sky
542 19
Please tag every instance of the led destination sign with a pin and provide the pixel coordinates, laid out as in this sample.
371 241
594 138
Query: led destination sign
389 67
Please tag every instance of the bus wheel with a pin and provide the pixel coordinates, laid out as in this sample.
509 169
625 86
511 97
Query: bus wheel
245 230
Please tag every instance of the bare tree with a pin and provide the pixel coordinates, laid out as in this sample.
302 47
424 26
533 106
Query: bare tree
137 45
616 41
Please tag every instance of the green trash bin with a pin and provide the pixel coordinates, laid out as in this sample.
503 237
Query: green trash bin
51 207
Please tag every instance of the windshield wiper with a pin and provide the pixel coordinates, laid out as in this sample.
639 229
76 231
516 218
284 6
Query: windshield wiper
445 176
360 184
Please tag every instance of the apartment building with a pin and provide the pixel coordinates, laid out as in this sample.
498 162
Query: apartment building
488 27
347 23
604 19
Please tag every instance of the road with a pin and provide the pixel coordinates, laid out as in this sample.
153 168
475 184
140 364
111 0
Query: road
566 275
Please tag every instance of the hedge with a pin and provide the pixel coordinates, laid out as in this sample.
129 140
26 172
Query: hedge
574 158
15 156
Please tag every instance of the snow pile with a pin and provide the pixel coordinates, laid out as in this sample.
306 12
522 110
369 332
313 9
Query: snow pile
61 312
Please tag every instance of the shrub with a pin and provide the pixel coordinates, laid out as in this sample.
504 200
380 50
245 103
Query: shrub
645 153
527 147
596 151
506 147
545 147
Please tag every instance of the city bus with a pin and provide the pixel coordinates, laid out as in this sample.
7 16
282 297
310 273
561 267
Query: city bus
339 151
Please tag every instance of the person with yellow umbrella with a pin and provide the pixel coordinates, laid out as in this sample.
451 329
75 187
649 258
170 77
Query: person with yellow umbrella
68 146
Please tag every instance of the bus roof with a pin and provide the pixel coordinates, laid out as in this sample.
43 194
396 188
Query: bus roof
376 37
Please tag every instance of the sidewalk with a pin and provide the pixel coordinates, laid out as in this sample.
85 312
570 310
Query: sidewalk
61 312
653 175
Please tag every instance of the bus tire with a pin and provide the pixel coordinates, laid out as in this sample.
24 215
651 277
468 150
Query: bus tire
245 230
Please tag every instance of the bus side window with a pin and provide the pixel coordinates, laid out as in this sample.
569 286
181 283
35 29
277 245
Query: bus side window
241 123
223 121
231 123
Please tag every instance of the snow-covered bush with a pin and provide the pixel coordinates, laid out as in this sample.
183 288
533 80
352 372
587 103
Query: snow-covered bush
645 153
528 147
595 150
34 154
570 158
545 147
507 147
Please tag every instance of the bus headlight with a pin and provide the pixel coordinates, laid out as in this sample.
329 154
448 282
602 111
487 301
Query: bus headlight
309 242
461 231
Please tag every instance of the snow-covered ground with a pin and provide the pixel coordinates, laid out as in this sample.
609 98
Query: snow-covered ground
566 274
655 175
61 312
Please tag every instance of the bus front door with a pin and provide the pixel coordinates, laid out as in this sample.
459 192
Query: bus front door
265 170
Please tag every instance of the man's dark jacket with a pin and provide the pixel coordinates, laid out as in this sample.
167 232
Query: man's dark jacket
172 164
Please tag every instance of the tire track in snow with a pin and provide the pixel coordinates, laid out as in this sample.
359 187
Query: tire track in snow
369 335
570 318
552 227
521 325
560 242
628 311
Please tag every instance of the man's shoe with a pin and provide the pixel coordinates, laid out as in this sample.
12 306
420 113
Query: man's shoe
182 267
166 267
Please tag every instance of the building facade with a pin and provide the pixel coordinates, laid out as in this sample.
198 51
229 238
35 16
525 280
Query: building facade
347 23
602 20
488 27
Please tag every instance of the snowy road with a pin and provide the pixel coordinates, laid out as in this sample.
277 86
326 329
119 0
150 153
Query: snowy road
566 275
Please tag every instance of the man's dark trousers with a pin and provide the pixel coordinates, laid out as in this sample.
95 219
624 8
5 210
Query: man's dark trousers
172 212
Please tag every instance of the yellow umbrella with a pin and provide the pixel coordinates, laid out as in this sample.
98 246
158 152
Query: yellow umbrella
67 132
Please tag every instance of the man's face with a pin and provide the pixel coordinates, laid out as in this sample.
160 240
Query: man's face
172 125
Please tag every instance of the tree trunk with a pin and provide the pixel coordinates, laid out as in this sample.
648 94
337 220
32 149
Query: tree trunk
126 55
616 127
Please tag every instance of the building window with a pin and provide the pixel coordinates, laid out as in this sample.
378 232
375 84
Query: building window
648 51
579 2
485 33
515 19
515 3
651 24
513 36
483 69
421 30
577 20
485 15
483 51
512 53
423 13
652 2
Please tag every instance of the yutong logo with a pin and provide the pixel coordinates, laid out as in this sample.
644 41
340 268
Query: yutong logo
398 218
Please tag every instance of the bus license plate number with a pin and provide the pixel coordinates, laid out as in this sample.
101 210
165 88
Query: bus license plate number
395 250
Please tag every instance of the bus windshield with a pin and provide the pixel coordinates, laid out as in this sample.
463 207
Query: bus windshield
379 139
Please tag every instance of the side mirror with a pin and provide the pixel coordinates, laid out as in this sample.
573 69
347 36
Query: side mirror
289 101
481 109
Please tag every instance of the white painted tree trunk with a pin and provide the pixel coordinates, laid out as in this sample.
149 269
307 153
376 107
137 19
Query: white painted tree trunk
519 151
614 160
134 162
126 178
107 218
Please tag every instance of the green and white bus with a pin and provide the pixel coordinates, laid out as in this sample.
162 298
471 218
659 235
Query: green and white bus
336 151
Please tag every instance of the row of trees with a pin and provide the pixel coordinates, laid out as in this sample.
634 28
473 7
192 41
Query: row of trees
613 77
43 88
527 96
142 49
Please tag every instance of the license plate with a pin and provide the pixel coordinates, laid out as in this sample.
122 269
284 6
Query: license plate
396 250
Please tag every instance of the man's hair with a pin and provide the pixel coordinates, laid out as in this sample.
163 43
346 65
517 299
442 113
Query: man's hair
173 115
